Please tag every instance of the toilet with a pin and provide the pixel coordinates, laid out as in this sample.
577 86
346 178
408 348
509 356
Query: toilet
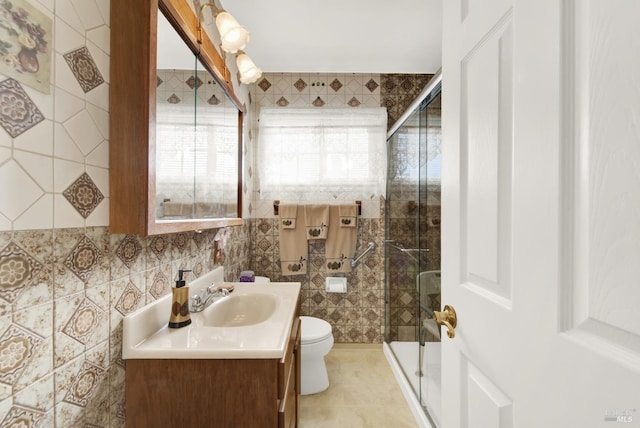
316 342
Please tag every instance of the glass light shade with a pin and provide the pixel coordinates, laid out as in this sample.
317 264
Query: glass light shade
232 35
249 73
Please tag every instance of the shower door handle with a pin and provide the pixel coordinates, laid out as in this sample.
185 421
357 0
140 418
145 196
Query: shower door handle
447 318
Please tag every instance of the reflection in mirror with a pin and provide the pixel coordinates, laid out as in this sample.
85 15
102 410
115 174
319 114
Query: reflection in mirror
196 136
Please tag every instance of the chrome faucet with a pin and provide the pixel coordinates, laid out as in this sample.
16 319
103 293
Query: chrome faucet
197 303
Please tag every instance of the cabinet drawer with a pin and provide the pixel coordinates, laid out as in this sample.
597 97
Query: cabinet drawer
288 405
287 362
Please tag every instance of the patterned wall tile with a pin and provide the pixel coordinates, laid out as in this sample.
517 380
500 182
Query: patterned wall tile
84 68
19 416
264 84
129 250
194 82
84 258
84 195
371 85
354 102
84 321
336 84
18 113
17 347
160 285
129 300
17 270
85 384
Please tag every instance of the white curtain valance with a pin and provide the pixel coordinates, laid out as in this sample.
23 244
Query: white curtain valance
322 154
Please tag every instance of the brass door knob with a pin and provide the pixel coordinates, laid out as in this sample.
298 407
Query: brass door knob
447 318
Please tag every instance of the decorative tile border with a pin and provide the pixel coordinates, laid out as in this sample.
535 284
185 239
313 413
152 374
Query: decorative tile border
84 68
18 113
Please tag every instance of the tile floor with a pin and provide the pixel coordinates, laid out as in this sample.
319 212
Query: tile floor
363 393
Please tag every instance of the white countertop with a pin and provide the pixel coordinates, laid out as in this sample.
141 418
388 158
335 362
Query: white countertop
146 335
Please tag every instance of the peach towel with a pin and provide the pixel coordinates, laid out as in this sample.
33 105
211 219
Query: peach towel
341 241
316 221
293 245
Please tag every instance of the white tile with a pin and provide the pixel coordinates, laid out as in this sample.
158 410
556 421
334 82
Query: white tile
5 139
101 119
37 216
65 78
99 96
105 8
99 156
101 37
19 190
67 105
42 100
370 101
38 139
67 39
84 132
100 177
5 224
66 12
65 173
64 215
39 168
89 13
5 154
64 147
100 215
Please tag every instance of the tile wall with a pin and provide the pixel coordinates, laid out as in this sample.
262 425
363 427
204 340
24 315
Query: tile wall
358 315
65 281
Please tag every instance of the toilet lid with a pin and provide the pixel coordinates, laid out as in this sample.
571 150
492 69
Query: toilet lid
314 329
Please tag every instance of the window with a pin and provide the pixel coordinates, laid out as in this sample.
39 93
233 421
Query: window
322 154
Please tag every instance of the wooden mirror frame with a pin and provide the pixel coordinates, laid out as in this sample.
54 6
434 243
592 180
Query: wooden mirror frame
132 110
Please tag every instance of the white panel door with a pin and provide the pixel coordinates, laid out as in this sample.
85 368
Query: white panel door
541 213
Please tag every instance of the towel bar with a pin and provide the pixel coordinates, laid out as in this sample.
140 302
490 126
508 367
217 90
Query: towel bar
276 207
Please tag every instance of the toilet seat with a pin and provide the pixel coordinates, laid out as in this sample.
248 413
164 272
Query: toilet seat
314 330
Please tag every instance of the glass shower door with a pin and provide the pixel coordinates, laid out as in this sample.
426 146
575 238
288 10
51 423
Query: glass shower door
412 250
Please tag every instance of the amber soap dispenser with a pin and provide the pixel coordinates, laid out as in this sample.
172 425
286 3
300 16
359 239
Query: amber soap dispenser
180 305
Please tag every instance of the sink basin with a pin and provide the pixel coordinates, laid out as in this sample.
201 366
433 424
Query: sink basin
253 322
239 311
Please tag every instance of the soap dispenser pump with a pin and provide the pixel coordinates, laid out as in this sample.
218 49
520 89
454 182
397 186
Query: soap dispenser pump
180 305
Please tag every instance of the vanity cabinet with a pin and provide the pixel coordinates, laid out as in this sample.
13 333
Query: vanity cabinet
238 393
175 149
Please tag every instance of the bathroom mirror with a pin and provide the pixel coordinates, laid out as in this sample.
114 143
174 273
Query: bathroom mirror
196 139
176 124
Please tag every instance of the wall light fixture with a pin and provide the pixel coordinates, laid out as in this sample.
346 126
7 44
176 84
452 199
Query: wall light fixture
233 38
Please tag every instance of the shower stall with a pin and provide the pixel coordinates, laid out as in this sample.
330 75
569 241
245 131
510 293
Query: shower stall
412 253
